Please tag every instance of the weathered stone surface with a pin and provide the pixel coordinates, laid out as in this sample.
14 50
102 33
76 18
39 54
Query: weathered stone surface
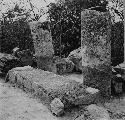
57 107
95 36
46 63
49 85
92 97
64 65
26 57
12 74
97 79
97 113
43 46
42 40
76 57
96 53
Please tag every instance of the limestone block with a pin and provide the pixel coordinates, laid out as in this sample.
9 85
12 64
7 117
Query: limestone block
95 37
96 53
12 76
57 107
42 40
91 97
46 63
49 86
64 65
43 46
76 57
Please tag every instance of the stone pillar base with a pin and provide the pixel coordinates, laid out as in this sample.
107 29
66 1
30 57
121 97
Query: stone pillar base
46 63
97 79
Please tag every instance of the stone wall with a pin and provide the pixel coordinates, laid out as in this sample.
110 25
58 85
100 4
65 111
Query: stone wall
43 46
96 44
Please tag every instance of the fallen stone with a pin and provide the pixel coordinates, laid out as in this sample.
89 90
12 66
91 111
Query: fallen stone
57 107
76 57
49 86
97 113
64 66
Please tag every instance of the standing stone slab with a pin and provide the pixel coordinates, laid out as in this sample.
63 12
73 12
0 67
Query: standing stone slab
96 58
43 46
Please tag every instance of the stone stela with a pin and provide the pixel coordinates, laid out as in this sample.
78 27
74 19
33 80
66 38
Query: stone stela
96 53
43 46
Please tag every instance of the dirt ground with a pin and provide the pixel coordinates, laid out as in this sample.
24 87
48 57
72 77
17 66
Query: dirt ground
15 104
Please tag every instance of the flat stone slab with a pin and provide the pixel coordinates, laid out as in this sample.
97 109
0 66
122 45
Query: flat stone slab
49 85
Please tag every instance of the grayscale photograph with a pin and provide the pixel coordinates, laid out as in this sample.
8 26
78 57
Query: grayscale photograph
62 60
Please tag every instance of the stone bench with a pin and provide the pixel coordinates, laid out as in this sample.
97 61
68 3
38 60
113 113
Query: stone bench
58 90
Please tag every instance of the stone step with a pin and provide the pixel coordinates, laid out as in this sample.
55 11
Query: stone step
44 83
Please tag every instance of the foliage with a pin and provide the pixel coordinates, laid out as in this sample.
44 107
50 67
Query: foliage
15 30
65 20
16 34
116 8
117 43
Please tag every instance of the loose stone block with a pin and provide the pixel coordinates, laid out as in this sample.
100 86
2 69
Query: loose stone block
64 65
76 57
57 107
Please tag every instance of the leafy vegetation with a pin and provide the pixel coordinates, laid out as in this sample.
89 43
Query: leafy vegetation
15 25
65 20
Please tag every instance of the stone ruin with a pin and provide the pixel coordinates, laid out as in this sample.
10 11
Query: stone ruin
43 46
96 49
95 45
44 51
56 91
